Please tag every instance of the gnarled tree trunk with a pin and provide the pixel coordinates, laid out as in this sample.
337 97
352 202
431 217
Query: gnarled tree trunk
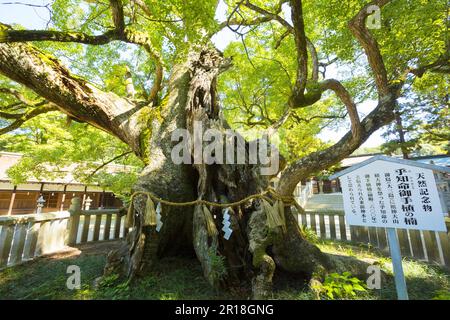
253 251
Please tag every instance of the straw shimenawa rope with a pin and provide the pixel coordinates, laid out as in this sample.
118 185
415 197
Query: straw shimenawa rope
275 212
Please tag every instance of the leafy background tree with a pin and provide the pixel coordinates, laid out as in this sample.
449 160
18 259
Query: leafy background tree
422 120
50 145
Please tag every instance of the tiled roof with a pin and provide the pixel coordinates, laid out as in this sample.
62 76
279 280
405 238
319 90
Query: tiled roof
390 159
439 160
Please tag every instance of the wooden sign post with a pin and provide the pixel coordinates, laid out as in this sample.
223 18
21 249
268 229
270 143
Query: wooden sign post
392 193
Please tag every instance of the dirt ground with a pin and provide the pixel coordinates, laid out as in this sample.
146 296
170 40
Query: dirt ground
81 250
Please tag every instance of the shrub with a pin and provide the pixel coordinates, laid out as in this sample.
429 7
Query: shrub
339 286
218 268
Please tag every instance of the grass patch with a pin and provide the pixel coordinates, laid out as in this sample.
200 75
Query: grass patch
43 279
170 279
182 278
424 281
46 278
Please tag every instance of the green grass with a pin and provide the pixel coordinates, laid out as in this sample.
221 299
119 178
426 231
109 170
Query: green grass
46 279
423 280
182 278
172 278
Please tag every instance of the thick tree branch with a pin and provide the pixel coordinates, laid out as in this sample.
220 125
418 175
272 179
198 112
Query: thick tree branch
52 81
314 59
298 98
380 116
347 100
129 36
301 169
359 29
303 45
302 53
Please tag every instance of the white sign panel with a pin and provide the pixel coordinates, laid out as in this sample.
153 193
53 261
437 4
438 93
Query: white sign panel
392 195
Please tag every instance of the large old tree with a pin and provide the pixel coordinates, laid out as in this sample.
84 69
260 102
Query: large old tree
285 48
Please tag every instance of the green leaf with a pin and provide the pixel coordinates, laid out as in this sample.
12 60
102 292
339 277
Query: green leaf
358 287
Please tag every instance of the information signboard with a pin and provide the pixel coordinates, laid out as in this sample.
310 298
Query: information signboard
394 194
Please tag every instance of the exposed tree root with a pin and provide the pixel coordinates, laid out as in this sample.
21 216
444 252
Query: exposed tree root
259 239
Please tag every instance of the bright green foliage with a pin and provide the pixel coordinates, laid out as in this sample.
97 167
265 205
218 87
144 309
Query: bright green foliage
218 268
442 295
50 146
339 286
110 287
47 139
309 234
255 89
173 27
254 95
367 150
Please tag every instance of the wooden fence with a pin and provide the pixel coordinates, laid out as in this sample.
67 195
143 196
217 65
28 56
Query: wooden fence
25 237
430 246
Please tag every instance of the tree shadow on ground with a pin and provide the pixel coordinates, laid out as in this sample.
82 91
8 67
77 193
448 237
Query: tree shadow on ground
182 278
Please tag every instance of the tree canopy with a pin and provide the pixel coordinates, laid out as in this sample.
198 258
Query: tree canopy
282 57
